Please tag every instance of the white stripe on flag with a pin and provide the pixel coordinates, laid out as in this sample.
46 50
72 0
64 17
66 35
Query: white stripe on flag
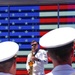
23 66
66 13
23 52
45 27
45 14
67 25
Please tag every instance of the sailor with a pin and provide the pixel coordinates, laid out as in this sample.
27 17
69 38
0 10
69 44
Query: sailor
8 51
59 43
39 57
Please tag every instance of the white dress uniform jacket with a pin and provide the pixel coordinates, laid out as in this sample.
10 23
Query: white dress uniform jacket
38 66
62 70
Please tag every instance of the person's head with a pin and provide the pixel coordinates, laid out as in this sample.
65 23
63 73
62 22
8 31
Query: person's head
34 44
59 43
8 51
63 54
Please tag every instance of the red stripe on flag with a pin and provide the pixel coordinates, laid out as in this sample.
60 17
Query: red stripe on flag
43 32
48 20
24 72
63 7
21 72
47 71
21 59
49 7
67 20
24 59
73 59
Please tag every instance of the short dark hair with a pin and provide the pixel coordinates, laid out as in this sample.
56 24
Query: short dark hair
61 53
34 41
6 65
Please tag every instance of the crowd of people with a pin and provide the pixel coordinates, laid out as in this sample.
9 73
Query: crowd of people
59 44
60 47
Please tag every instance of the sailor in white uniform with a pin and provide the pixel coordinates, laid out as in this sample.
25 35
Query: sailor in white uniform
40 59
8 51
59 43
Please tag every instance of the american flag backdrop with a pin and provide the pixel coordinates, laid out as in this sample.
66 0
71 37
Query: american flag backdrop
24 23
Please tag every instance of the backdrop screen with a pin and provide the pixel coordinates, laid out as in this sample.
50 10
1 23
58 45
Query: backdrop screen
24 23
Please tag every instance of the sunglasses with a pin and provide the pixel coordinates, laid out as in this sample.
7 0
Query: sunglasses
33 44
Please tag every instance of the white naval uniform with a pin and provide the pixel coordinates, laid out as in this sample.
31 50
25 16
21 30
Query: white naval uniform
62 70
1 73
38 66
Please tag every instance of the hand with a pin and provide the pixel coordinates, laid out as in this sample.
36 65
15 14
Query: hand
29 71
34 58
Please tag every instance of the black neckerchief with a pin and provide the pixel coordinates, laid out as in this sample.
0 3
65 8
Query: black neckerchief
36 52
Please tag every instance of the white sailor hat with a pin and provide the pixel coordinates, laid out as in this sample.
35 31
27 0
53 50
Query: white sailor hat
58 37
8 49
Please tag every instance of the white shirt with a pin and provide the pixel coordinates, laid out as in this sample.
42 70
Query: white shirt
62 70
38 66
1 73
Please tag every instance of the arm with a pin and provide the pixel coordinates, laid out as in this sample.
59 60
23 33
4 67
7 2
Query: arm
28 60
